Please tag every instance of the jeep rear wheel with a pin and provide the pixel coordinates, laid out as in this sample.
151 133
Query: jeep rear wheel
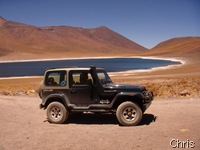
129 114
57 113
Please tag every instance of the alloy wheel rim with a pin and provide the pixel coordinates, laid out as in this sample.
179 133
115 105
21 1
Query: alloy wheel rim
56 113
129 114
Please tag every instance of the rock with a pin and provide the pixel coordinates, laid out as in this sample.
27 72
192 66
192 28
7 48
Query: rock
8 93
185 93
21 92
31 92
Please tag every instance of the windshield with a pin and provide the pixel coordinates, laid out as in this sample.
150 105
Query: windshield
103 77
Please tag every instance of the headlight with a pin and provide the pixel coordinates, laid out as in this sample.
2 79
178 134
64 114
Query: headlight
148 96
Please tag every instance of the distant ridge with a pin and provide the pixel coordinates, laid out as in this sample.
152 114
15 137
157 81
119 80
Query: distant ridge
177 47
27 41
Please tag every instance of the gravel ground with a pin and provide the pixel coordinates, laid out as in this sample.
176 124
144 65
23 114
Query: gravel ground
23 126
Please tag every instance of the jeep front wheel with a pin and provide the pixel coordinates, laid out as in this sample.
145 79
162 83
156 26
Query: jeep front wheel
129 114
57 113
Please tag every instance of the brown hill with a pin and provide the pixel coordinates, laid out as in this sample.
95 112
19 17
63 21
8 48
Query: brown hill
19 41
182 46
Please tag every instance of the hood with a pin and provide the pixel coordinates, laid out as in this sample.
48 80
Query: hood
124 87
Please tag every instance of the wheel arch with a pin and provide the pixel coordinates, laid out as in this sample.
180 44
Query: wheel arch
124 98
56 98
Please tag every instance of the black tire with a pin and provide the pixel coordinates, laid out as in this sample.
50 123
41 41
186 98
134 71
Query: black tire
129 114
57 113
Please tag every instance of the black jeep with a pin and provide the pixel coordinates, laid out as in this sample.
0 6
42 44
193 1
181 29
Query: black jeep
67 90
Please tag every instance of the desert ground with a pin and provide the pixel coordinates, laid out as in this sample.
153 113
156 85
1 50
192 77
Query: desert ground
171 121
24 126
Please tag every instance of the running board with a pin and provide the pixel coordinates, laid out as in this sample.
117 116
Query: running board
90 107
92 110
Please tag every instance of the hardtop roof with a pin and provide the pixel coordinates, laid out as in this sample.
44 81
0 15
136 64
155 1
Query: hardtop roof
71 68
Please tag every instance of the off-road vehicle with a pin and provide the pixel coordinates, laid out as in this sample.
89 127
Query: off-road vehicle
67 90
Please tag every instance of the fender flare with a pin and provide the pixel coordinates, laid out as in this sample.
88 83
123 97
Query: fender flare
54 96
131 95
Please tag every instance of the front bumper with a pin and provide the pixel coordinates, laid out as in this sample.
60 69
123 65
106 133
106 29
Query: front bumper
148 98
145 106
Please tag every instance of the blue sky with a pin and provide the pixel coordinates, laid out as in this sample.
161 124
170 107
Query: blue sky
146 22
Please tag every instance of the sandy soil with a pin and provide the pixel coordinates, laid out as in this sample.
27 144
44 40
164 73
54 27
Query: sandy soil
23 126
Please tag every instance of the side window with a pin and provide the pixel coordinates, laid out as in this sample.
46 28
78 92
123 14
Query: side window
56 78
104 78
81 78
101 76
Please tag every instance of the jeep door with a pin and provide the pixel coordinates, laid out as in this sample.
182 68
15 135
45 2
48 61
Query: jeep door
81 87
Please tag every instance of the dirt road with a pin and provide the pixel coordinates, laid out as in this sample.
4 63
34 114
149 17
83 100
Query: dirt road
23 126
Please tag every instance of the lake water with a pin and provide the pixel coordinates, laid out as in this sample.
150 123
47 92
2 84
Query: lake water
37 68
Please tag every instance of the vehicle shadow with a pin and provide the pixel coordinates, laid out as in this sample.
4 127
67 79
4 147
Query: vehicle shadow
106 119
90 118
147 119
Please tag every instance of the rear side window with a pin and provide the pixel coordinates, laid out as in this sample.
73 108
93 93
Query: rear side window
56 78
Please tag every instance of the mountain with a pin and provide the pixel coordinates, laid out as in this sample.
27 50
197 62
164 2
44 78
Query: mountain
182 46
2 20
19 40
